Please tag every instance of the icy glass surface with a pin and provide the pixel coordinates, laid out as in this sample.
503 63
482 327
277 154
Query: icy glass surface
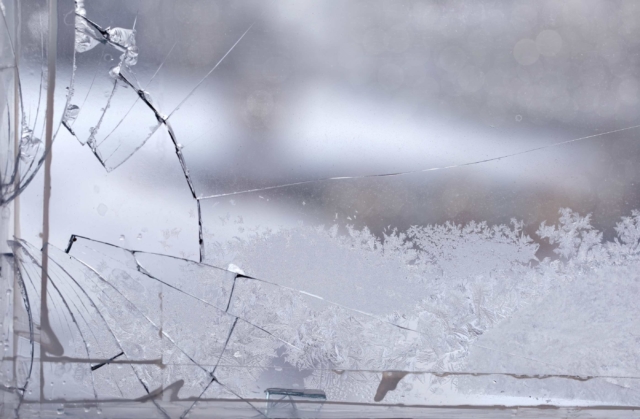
320 209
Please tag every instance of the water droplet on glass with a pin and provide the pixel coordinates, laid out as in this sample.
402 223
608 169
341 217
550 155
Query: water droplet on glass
102 209
122 237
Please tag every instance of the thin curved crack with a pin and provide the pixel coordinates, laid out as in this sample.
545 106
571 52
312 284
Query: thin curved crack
156 327
68 309
230 291
225 311
111 332
164 120
409 172
95 367
209 73
27 306
34 160
106 38
396 373
74 237
214 379
251 323
132 106
141 269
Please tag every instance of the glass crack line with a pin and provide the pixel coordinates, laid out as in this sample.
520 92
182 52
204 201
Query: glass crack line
432 169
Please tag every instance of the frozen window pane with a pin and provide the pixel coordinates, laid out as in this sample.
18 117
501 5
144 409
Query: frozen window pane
328 209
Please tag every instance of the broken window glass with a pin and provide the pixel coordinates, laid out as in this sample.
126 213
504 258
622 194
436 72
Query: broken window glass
333 209
25 65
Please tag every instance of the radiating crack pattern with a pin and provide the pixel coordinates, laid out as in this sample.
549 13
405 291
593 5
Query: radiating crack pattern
23 114
215 333
189 332
88 35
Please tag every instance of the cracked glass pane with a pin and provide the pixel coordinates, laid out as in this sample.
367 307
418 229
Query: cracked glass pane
326 209
25 63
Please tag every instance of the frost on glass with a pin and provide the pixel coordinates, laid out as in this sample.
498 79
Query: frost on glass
399 207
135 324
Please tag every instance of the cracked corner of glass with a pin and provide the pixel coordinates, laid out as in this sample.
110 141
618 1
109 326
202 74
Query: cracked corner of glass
319 210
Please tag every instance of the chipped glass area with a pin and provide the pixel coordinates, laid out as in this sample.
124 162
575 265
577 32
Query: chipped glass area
325 209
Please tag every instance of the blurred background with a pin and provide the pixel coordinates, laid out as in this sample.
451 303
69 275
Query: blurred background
333 88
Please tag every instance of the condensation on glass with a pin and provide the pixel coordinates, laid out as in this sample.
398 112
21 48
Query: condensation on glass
319 209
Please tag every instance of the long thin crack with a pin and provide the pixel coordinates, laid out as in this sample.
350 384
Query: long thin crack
209 73
122 352
228 338
143 89
10 190
155 326
27 306
68 308
372 316
74 238
201 247
225 311
213 377
105 37
434 372
409 172
233 287
111 333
